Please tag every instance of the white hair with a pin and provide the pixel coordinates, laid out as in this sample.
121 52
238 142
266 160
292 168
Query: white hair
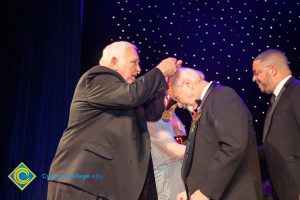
115 49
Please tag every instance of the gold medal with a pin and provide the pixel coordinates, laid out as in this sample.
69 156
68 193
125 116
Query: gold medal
166 115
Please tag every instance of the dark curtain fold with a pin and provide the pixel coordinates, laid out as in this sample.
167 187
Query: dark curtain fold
40 56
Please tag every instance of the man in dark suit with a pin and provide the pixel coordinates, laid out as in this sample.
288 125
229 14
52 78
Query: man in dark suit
281 135
221 160
107 139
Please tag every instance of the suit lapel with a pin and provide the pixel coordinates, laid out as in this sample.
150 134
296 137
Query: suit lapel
268 119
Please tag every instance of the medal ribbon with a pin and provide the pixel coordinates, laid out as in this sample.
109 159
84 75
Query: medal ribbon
167 98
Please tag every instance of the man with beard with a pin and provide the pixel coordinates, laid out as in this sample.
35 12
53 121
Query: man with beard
281 134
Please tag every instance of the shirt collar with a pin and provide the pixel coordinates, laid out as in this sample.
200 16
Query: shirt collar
205 90
280 85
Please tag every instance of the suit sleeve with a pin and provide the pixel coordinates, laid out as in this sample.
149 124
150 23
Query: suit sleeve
154 107
230 120
109 92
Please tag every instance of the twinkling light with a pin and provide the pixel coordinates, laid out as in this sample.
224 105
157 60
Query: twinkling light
220 38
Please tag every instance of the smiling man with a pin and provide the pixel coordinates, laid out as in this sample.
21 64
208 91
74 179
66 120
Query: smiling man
281 135
107 132
221 160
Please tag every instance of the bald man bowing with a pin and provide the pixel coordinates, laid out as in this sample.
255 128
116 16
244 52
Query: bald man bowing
221 160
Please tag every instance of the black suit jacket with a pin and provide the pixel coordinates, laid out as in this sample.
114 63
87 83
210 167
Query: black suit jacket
282 142
224 162
107 133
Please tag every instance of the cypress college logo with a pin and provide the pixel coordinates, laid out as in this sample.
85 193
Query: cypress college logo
22 176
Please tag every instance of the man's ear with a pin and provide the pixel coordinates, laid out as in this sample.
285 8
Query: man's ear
188 84
114 63
274 70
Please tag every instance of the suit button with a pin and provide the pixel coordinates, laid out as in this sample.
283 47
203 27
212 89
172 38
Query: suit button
129 161
133 137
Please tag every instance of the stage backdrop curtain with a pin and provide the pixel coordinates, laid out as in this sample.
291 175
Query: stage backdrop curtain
41 46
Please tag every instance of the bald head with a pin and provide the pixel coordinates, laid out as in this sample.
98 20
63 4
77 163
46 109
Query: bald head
186 74
273 57
186 86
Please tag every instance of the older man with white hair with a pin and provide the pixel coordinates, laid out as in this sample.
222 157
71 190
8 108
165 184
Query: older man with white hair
107 139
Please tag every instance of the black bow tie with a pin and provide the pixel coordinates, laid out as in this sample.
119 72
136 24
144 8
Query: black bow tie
198 101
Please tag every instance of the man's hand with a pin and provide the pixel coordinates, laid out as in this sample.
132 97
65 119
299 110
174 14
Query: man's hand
168 66
197 195
182 196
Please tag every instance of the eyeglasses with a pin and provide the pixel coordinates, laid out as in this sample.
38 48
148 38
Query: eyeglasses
256 73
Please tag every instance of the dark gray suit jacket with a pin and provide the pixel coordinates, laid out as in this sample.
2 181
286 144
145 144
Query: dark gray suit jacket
107 133
224 162
282 142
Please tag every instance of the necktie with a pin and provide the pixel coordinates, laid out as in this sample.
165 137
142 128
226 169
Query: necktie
272 100
268 117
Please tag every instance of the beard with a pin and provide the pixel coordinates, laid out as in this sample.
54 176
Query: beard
263 87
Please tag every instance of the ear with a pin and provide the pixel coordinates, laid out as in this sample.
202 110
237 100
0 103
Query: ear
188 84
274 70
114 63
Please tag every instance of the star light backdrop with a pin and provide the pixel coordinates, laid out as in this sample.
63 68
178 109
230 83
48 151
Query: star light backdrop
220 38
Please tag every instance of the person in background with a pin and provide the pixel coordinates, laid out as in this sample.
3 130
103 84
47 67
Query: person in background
281 134
107 132
167 151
